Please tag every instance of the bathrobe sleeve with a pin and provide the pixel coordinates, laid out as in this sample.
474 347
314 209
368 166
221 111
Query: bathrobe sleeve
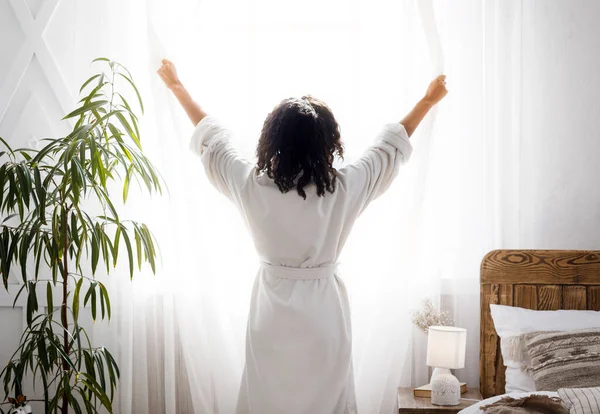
225 168
372 174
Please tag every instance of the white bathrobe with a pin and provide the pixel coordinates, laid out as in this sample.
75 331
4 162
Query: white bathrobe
299 339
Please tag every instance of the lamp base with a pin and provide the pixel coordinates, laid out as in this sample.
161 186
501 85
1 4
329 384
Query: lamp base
445 389
438 371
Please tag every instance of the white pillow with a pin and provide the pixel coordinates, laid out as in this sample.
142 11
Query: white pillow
581 400
511 321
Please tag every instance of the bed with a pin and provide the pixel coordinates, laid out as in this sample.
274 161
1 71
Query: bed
531 279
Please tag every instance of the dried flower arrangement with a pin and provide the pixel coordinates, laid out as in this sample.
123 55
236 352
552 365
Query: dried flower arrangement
430 316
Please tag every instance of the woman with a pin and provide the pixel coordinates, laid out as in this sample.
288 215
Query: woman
300 211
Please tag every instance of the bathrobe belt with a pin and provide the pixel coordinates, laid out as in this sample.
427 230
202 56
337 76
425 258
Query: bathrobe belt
300 273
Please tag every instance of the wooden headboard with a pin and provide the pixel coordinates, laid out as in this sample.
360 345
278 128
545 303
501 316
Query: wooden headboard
533 279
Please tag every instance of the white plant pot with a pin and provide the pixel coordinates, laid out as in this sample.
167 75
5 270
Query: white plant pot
21 410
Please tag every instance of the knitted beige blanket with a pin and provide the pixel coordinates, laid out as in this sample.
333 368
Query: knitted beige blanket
533 404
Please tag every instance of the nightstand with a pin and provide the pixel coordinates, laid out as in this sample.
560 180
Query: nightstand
409 404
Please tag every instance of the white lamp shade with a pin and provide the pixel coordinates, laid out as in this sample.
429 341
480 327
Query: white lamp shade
446 347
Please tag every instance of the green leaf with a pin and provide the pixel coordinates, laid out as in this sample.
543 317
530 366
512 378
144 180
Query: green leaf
42 354
4 265
2 182
12 249
116 245
93 306
75 183
86 401
95 251
135 89
87 82
78 134
114 130
23 251
101 371
127 182
149 247
91 383
32 303
25 153
38 257
18 294
21 171
93 156
95 93
138 247
89 364
101 59
82 150
105 199
81 172
76 299
80 250
85 108
129 130
38 182
110 250
74 230
104 293
12 191
74 403
50 304
132 115
102 305
44 151
129 252
104 249
88 295
61 351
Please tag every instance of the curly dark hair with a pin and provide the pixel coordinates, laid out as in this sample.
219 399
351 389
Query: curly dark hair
298 144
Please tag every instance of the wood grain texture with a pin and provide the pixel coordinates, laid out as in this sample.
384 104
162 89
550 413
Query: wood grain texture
526 296
549 297
548 267
533 279
489 342
506 293
575 297
593 298
409 404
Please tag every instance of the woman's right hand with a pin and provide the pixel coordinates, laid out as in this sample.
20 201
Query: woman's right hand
168 74
436 90
435 93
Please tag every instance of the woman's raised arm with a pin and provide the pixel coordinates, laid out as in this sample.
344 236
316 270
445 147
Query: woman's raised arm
435 93
168 74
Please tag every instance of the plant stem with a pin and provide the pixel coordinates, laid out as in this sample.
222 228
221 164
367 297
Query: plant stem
64 314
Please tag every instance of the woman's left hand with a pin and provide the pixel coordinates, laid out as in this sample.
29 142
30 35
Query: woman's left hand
168 74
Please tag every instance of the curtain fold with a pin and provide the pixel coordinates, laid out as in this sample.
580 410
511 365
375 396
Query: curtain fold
179 335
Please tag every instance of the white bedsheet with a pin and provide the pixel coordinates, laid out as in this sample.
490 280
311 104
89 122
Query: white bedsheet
474 409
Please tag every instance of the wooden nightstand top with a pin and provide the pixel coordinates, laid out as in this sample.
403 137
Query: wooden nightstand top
407 403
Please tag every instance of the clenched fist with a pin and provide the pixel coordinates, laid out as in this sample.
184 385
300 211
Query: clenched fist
436 90
168 74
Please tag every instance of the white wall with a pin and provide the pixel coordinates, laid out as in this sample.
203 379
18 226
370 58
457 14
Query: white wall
37 88
560 140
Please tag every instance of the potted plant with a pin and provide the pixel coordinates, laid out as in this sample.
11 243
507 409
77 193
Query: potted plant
49 231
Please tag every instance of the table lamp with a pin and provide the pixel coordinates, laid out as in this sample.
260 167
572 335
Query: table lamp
445 351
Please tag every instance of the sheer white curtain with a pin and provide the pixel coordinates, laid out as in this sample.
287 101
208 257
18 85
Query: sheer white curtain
179 335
